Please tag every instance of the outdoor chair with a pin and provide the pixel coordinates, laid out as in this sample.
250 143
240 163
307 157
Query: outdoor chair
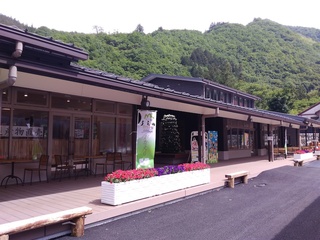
112 159
126 161
43 166
62 167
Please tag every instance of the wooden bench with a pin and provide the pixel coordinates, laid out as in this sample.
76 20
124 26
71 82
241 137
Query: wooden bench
232 176
297 162
73 216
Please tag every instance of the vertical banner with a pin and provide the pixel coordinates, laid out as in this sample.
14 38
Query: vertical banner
194 146
213 147
146 138
194 141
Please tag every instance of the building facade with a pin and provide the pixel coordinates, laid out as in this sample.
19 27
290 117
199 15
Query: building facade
51 105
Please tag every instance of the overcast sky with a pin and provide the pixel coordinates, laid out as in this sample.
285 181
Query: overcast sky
125 15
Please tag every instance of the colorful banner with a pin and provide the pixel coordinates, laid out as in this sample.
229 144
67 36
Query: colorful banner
194 141
146 138
213 147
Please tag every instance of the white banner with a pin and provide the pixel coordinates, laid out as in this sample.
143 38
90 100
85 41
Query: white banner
22 131
146 138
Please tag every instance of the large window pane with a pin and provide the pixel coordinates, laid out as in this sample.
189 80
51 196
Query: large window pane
81 136
124 135
71 102
104 106
61 131
5 95
29 133
104 135
125 109
25 96
4 133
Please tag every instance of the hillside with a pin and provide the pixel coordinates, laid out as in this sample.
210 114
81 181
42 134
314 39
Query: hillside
277 63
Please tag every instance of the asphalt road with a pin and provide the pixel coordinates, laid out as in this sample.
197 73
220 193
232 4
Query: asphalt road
279 204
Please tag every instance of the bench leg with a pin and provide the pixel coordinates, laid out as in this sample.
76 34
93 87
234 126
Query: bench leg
78 229
231 182
245 179
301 163
4 237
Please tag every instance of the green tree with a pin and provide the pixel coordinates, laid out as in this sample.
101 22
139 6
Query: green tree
139 29
170 138
278 104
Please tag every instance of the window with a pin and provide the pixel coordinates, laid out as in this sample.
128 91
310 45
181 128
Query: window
235 100
25 96
227 97
214 94
104 106
221 96
104 134
125 109
208 93
124 129
4 132
29 133
240 102
71 102
5 95
239 134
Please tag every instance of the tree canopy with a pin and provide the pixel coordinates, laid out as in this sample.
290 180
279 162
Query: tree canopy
263 58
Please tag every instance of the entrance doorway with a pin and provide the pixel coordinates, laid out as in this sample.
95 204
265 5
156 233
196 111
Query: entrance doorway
71 135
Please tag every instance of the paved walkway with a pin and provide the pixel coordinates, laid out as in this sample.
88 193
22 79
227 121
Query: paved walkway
22 202
279 204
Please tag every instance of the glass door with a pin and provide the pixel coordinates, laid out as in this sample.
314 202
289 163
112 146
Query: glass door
61 136
70 135
81 133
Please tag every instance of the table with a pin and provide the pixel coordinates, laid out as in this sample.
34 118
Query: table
12 176
87 161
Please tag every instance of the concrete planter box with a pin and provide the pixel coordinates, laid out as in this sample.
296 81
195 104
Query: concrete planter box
303 156
119 193
317 153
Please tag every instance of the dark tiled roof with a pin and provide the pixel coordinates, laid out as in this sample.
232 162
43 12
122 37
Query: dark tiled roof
200 80
198 99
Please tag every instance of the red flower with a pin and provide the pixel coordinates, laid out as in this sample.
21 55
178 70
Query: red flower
135 174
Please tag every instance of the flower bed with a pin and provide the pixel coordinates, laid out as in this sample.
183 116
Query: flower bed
125 186
302 154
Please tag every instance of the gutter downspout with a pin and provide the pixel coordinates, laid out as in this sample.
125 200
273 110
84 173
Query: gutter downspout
12 77
18 52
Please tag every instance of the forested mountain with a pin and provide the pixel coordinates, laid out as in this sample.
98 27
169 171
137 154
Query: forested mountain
280 64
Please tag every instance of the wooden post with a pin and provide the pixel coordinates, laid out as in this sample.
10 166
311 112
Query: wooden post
77 230
245 179
4 237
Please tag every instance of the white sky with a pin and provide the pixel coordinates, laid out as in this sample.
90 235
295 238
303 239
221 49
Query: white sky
125 15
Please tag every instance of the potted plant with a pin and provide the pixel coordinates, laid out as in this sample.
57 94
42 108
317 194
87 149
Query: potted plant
125 186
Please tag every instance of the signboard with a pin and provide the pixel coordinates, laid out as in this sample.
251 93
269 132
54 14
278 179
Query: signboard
194 140
212 147
146 138
22 131
270 138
